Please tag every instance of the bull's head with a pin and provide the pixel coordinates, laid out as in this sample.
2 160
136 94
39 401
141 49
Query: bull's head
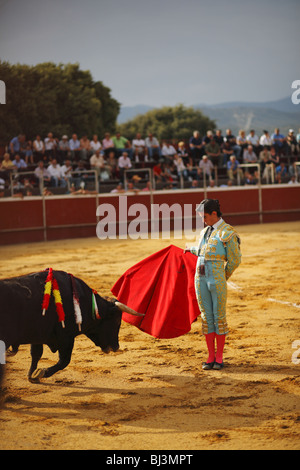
105 332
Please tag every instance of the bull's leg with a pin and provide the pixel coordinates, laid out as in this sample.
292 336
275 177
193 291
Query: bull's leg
36 354
65 353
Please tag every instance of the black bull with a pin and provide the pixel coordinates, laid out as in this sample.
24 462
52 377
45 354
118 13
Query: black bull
22 321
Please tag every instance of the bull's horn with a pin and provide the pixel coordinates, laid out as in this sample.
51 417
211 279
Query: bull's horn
124 308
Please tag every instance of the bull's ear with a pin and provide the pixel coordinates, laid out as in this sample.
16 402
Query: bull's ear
127 309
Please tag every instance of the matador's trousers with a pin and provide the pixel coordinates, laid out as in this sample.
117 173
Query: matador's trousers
211 292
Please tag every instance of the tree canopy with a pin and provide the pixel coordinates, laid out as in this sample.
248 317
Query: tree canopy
176 122
54 98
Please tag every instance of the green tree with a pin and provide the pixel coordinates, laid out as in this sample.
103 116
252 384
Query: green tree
62 99
178 122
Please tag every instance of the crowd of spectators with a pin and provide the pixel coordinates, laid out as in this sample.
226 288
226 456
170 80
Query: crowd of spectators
66 163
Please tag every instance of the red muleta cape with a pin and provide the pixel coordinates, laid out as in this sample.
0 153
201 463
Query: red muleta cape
162 287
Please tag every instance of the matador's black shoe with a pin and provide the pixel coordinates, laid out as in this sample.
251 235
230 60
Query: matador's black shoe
218 365
207 365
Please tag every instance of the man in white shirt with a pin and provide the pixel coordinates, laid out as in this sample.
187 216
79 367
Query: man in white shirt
42 173
152 145
50 145
252 139
168 151
206 166
56 174
265 140
124 163
95 144
139 148
66 170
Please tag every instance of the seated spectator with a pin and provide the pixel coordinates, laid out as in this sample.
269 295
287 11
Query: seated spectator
112 165
230 140
249 155
227 151
124 163
180 167
139 148
253 140
95 144
163 173
250 179
278 141
294 170
207 138
206 167
267 163
194 184
131 188
63 149
38 148
291 141
195 144
168 151
66 171
121 144
86 150
119 189
228 185
241 140
19 163
56 174
50 146
233 168
16 145
153 146
281 172
183 153
28 188
213 152
107 144
148 186
274 153
29 152
81 175
97 160
293 180
98 163
42 174
47 192
265 140
75 148
157 172
219 138
7 164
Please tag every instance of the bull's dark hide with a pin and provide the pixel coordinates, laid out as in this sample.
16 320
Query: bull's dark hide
22 322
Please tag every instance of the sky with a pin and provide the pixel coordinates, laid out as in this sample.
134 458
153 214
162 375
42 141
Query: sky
163 52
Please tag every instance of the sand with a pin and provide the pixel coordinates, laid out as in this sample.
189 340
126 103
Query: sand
153 394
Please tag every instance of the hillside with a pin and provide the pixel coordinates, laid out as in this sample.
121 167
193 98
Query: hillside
239 115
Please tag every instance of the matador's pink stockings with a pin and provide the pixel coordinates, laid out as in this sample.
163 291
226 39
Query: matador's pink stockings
210 341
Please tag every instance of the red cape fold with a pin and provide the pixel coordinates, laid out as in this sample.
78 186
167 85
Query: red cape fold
162 287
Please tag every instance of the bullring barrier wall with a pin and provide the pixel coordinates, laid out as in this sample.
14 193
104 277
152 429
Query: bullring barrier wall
36 218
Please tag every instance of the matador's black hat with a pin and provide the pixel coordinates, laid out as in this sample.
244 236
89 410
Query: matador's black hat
208 206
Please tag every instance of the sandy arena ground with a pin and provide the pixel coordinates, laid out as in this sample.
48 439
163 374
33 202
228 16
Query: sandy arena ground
153 394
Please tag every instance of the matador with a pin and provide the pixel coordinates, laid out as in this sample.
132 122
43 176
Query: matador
218 255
